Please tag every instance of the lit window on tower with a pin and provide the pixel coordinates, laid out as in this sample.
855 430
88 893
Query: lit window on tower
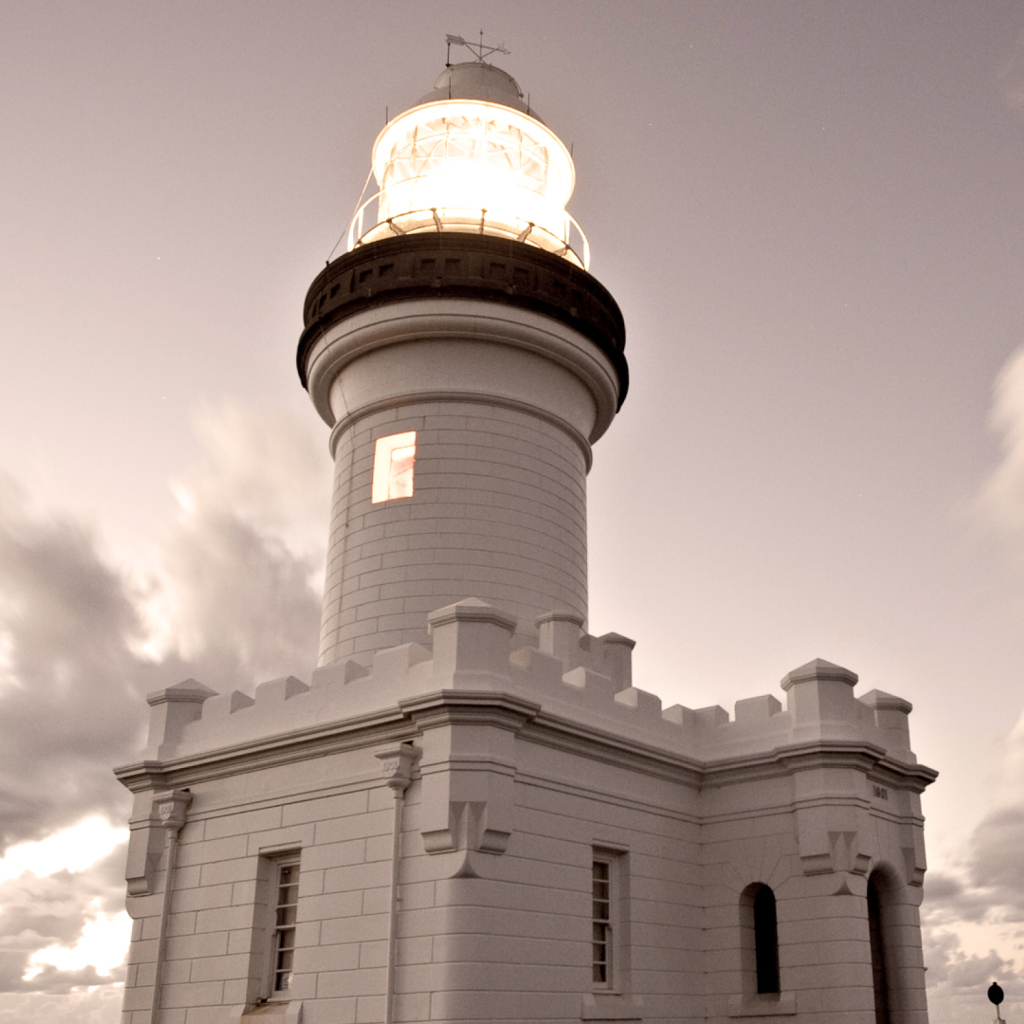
393 460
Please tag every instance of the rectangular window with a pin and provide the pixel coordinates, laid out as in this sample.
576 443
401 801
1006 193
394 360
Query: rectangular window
393 461
609 922
286 904
602 923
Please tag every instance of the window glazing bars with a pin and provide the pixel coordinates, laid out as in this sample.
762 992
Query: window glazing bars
602 923
284 927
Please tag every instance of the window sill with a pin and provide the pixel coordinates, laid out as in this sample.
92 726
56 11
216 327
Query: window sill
612 1006
274 1012
783 1004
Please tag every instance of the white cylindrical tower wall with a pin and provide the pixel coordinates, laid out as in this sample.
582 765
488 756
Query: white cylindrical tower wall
499 362
498 512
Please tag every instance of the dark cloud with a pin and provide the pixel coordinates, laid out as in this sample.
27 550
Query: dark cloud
987 898
951 969
71 699
239 606
991 888
957 983
997 865
235 603
946 899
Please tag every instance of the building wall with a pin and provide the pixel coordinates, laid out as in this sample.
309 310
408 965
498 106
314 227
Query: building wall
510 797
499 511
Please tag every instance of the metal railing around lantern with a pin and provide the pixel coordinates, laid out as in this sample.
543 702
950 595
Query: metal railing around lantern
367 226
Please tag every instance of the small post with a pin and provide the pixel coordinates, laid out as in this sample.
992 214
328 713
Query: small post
995 996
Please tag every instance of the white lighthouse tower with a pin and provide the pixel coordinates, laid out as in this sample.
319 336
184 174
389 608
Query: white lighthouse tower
469 813
465 363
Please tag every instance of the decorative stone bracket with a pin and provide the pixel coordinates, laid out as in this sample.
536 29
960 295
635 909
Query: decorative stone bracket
396 765
912 848
468 828
829 839
467 795
145 847
171 808
843 856
148 838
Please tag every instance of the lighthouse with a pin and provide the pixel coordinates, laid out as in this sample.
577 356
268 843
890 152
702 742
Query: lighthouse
465 362
469 813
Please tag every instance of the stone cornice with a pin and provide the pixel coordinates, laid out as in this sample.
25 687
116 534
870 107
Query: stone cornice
811 754
266 752
562 733
483 707
517 714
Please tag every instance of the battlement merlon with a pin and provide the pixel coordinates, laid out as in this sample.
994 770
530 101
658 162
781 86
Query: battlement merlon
571 676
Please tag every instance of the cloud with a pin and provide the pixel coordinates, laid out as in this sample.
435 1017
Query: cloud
1011 77
248 610
71 690
56 913
994 870
1001 498
231 599
101 1005
240 571
265 467
997 866
957 982
974 921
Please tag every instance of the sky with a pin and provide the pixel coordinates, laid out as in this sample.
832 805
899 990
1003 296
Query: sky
812 216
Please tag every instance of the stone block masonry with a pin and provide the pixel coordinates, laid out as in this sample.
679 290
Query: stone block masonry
499 510
469 813
527 765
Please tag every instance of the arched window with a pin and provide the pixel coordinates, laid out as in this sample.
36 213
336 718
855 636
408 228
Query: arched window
760 945
877 936
766 940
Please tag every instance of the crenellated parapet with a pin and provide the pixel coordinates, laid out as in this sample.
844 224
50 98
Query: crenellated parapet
813 795
575 679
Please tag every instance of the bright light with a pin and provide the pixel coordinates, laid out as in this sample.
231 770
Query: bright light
472 166
73 849
393 461
103 943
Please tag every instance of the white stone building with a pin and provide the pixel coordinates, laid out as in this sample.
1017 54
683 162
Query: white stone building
468 813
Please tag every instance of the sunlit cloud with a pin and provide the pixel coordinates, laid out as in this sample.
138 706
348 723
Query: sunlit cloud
72 849
103 944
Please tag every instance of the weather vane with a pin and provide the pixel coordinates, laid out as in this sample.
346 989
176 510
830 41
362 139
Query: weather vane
477 49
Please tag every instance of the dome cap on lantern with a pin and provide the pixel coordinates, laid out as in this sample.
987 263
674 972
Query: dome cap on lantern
475 80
